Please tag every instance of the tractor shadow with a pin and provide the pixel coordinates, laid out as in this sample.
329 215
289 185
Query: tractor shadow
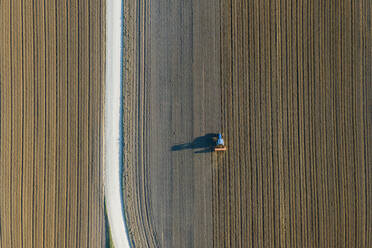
202 144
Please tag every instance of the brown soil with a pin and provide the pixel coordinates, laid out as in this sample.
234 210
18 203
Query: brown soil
296 98
52 88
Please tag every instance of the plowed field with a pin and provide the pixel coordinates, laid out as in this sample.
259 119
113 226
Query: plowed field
296 102
289 85
52 88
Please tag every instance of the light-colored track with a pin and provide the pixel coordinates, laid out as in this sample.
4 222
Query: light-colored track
113 125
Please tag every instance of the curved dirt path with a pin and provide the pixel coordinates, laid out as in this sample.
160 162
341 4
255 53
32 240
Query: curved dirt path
113 197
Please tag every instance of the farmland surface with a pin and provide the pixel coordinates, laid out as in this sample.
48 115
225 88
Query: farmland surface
289 85
171 97
296 103
52 88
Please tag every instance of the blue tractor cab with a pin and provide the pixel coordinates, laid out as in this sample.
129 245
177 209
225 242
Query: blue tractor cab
220 144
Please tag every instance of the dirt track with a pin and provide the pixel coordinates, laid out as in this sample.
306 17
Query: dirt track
294 80
52 88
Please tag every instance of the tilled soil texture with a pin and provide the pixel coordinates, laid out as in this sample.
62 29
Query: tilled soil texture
296 102
52 88
171 104
288 83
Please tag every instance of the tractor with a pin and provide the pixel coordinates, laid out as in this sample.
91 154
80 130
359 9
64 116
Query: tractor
220 144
